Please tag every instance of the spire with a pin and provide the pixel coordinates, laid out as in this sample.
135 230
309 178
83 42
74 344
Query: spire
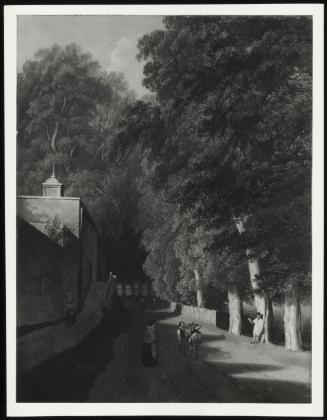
53 168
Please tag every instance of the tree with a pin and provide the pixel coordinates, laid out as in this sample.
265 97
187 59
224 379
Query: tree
215 79
160 227
288 234
56 94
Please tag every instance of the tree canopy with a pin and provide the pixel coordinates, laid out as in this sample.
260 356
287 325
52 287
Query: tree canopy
235 100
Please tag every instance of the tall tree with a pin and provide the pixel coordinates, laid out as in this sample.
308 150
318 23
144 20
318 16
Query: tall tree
214 78
57 94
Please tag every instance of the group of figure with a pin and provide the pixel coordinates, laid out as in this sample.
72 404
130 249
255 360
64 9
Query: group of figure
188 335
189 338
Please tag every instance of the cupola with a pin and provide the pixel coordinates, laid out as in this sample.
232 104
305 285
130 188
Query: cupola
52 187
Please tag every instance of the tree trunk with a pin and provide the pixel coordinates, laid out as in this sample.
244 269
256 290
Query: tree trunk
199 297
262 300
235 306
292 319
264 306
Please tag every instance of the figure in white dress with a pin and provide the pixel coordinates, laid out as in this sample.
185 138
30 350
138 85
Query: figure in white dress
257 328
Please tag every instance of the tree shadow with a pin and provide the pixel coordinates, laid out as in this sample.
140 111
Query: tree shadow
265 388
237 368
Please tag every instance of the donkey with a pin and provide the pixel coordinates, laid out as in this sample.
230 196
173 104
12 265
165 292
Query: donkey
194 340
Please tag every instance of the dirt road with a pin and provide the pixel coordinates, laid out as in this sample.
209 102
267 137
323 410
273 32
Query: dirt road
229 369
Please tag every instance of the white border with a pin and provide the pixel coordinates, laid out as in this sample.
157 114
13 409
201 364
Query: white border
209 409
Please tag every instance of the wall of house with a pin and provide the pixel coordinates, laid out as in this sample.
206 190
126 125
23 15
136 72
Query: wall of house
39 210
80 264
40 289
71 264
103 275
89 255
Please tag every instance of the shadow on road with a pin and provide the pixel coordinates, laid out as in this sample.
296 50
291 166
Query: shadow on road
69 376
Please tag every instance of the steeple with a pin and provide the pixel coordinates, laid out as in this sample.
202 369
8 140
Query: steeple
52 187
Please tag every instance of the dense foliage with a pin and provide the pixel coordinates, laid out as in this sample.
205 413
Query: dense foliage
235 97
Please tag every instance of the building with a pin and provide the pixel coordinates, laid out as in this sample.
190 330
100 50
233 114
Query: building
137 288
58 254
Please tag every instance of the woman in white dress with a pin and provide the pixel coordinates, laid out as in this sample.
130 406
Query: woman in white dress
257 328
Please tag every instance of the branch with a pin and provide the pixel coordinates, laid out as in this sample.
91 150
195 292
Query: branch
72 150
47 131
99 190
63 104
54 136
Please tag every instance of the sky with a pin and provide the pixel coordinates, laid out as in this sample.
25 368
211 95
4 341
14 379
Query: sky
112 40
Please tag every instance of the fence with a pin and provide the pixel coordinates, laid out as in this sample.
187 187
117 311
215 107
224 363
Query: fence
200 314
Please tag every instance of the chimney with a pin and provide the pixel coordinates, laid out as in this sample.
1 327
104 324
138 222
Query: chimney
52 187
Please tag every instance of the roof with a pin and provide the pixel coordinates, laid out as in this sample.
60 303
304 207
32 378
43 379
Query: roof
52 181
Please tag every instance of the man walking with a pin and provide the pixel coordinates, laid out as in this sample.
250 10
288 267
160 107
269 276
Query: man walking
181 337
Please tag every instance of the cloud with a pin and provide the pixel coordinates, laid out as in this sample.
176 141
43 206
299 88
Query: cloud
123 59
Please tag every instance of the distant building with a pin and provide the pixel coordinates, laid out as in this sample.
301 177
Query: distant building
128 290
125 288
136 289
58 253
120 291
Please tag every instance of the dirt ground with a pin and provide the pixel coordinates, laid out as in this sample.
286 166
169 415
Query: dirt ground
229 369
106 367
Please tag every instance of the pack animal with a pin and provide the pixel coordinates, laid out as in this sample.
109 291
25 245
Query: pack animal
194 340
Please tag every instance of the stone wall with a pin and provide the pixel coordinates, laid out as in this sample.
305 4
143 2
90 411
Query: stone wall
40 288
42 344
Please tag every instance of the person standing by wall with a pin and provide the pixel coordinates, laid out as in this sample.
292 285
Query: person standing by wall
70 309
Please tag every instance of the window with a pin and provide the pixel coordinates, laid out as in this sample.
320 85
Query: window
119 290
136 289
145 290
128 290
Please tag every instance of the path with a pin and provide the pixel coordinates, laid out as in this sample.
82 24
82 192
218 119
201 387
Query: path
229 369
